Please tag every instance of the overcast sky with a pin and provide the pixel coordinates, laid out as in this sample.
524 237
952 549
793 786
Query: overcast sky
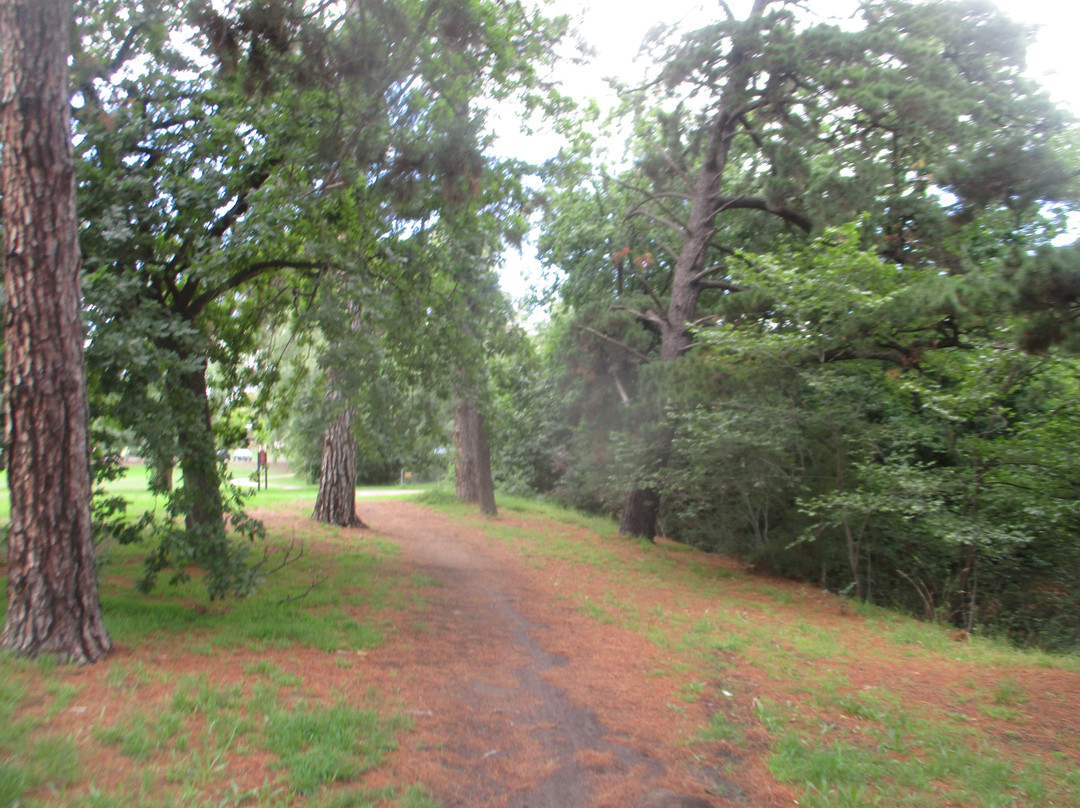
615 28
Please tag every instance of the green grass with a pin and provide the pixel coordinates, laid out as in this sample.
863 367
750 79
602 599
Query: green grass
284 489
897 759
188 740
721 727
311 601
30 756
323 745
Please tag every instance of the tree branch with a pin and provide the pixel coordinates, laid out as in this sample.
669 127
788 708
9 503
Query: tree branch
675 225
709 319
243 276
643 357
678 169
638 210
667 248
649 291
103 73
716 283
756 203
891 351
764 101
315 583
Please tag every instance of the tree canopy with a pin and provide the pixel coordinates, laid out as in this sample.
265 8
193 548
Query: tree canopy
820 316
237 160
760 132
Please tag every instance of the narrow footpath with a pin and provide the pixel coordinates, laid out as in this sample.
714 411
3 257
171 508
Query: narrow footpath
518 698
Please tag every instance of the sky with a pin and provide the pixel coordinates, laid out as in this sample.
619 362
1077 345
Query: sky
616 28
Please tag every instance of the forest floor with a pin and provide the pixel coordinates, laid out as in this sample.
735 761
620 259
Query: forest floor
536 662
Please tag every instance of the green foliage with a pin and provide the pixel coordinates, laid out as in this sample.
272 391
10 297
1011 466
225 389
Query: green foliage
525 423
921 479
233 162
870 426
759 132
225 556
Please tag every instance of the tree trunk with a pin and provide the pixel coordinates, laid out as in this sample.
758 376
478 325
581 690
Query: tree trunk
53 603
472 468
161 474
204 510
336 501
640 513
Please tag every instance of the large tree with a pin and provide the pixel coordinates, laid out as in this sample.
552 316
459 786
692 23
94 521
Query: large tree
761 130
192 176
53 604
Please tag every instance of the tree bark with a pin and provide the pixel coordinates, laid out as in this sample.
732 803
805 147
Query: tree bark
472 468
640 514
336 500
53 602
204 511
335 503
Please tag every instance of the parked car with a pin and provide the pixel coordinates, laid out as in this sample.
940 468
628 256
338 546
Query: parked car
242 454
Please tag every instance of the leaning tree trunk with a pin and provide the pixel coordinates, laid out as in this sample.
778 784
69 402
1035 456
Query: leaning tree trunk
472 468
336 500
641 510
53 604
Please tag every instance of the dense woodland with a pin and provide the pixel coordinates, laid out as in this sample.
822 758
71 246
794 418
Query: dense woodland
818 315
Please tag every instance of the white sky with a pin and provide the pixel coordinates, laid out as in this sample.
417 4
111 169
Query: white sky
615 29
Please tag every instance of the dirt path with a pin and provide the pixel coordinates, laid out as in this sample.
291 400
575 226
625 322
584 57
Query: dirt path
503 705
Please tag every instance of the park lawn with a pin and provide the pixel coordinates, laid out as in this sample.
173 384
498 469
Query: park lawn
217 703
175 728
284 486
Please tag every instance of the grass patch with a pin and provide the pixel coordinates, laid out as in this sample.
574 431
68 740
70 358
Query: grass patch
323 745
420 581
721 727
595 611
691 691
893 757
313 601
939 765
183 748
30 757
265 667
